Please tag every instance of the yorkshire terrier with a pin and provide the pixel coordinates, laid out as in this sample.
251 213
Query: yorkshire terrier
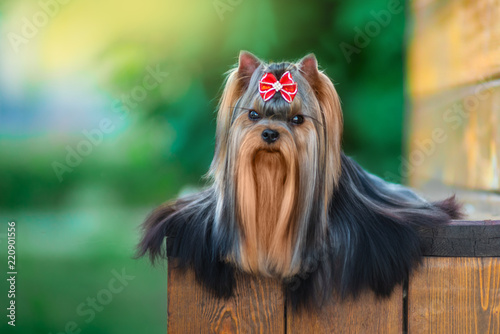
284 201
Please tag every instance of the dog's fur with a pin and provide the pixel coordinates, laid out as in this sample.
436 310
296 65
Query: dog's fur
297 209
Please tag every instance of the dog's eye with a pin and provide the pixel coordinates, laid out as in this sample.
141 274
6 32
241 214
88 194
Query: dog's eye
253 115
298 119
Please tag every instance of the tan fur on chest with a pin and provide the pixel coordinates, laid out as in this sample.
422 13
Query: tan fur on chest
266 200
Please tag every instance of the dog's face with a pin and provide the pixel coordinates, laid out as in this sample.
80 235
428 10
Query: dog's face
278 161
310 125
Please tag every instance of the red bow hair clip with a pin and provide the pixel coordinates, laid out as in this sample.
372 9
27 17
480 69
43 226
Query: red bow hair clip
269 85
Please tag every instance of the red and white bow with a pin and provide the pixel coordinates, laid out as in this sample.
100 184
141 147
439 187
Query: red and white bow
269 85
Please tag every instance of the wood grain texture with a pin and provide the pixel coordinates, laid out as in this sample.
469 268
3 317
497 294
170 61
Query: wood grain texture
367 314
462 238
453 43
455 139
257 307
455 295
453 72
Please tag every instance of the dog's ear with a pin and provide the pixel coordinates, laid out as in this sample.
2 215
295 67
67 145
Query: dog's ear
236 83
331 114
308 66
247 64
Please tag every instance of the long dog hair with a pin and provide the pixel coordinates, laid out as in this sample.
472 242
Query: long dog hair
298 209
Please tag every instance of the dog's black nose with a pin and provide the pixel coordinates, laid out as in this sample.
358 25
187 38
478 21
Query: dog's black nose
270 136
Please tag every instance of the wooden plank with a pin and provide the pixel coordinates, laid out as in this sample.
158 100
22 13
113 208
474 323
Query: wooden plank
367 314
454 85
455 139
453 43
447 294
455 295
463 238
257 307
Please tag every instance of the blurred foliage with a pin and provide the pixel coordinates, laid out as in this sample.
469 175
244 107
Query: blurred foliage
80 67
66 257
168 141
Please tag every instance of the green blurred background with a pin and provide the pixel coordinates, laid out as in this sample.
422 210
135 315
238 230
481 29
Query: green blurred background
65 66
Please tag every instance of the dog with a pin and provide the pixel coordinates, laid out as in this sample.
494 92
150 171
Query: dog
284 201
